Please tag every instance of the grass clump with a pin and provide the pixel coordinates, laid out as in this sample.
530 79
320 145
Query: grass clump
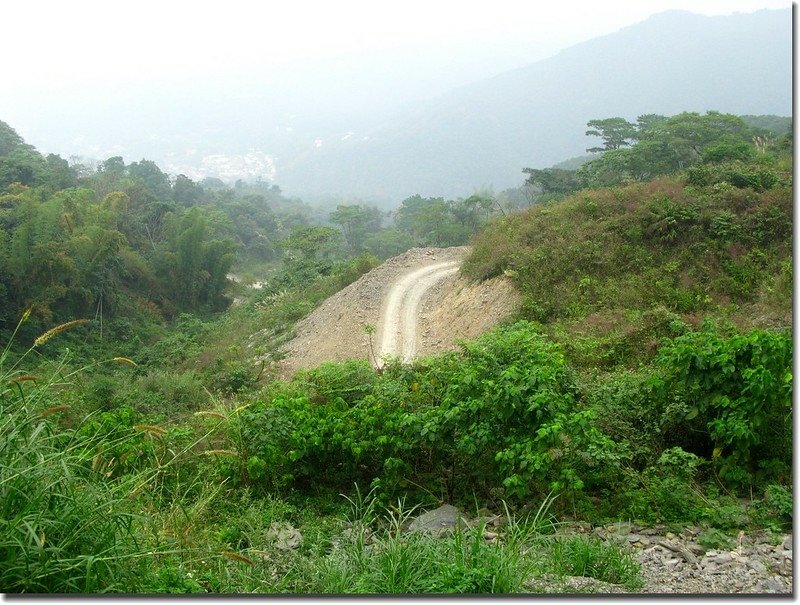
378 554
593 558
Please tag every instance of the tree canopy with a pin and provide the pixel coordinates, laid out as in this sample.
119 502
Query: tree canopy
657 145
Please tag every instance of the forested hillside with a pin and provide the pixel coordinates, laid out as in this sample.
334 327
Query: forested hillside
116 242
147 445
110 239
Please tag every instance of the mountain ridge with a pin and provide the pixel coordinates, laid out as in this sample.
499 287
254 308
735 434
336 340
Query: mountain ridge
484 133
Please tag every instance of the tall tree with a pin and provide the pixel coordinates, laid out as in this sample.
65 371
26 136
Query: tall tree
313 242
357 222
553 181
615 132
155 181
185 191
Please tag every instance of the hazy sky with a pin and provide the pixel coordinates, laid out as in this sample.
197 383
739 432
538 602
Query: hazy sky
53 43
72 68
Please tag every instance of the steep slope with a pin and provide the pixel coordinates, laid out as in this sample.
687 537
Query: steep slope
609 272
399 318
417 302
485 133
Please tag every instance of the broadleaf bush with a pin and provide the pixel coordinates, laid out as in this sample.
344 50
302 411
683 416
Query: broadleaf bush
501 412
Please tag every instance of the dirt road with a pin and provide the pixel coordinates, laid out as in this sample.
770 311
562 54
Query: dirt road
417 303
398 329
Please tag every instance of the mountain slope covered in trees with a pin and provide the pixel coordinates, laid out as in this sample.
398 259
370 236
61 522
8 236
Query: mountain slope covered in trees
484 133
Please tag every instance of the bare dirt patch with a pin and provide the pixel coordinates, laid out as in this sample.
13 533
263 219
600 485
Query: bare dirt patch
426 314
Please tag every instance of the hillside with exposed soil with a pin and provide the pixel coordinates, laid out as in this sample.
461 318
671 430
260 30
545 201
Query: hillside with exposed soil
418 303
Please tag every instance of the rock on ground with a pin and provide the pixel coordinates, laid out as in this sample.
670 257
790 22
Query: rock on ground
437 521
675 563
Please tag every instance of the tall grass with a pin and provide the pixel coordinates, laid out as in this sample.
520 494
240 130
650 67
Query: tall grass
594 558
64 527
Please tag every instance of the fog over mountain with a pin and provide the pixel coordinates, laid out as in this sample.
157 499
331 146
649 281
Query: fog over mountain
486 132
370 129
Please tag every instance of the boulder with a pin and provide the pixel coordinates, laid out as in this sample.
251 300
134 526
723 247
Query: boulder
284 537
438 521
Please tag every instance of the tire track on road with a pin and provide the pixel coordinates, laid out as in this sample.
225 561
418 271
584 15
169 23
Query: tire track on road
398 326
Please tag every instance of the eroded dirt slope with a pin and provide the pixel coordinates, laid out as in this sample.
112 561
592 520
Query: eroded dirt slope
417 302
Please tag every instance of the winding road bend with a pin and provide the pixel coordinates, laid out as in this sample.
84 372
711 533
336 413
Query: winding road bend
397 332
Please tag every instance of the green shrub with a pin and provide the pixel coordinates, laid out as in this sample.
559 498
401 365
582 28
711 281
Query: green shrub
736 173
769 224
726 152
714 539
348 381
670 219
775 509
171 578
234 377
737 393
172 392
500 412
181 343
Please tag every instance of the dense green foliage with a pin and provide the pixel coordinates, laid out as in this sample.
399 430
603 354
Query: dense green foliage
738 395
672 301
504 417
657 145
611 271
648 376
128 241
500 413
76 242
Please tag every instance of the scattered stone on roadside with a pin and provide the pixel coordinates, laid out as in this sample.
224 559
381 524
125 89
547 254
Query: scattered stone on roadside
757 566
583 584
679 549
695 549
678 565
773 585
619 528
489 518
549 584
719 557
785 567
674 565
